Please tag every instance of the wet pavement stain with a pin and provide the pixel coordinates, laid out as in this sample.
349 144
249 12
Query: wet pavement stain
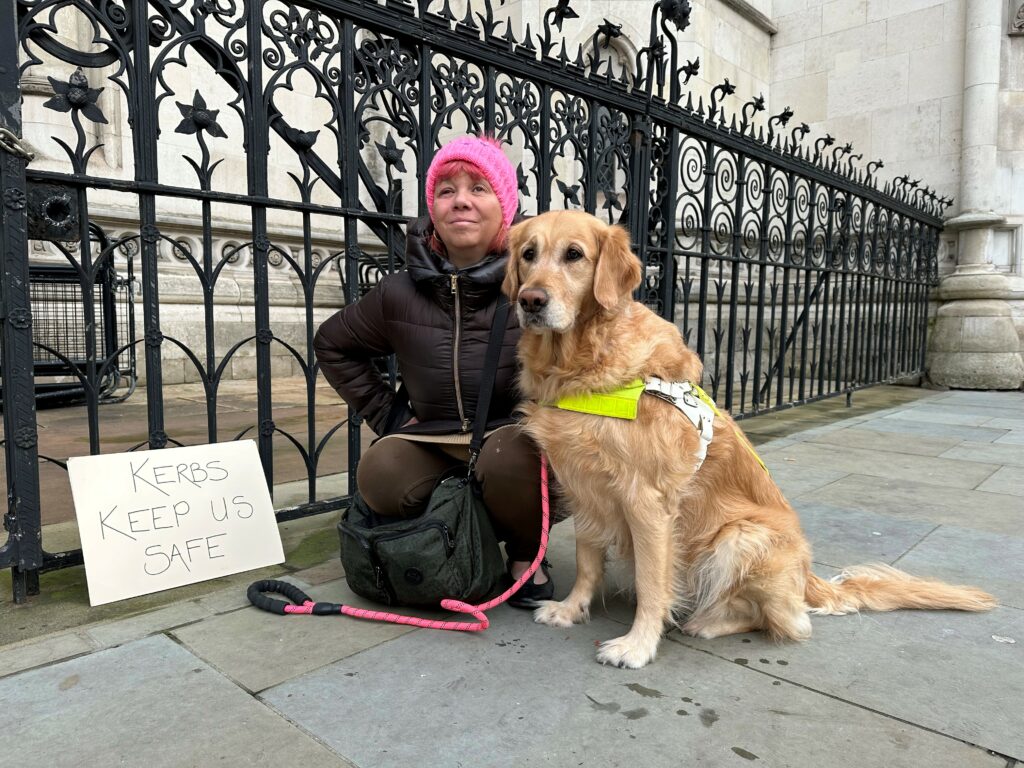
765 661
782 663
635 714
708 717
647 693
682 712
69 682
611 707
741 662
744 754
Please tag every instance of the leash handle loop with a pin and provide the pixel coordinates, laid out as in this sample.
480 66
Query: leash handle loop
258 591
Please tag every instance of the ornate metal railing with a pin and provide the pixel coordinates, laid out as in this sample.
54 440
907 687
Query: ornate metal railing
781 259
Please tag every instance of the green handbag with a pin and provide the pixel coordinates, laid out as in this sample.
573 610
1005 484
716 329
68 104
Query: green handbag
450 551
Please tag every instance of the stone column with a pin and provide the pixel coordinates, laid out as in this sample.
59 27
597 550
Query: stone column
974 344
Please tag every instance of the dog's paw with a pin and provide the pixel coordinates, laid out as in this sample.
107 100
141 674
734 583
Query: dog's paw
556 613
626 653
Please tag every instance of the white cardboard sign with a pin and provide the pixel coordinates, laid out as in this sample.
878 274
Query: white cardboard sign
153 520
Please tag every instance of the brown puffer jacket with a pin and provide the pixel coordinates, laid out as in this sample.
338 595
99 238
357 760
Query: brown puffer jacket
437 320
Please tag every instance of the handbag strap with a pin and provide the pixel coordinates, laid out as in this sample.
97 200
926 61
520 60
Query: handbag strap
490 372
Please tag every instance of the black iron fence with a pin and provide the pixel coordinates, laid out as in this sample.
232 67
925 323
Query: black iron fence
59 332
777 254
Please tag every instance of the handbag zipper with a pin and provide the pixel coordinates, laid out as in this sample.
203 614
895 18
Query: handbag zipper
455 353
449 538
379 575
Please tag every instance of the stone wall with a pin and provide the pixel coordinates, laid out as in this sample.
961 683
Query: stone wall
889 76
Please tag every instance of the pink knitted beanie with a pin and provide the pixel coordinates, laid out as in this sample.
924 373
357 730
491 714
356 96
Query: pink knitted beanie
487 156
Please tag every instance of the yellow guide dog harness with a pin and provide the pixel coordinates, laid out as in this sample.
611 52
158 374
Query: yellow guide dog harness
692 401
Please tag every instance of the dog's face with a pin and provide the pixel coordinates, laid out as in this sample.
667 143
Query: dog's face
564 265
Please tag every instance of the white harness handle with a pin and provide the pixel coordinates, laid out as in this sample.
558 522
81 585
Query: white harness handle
681 394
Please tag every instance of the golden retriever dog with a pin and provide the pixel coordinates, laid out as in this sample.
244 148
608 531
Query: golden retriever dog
719 545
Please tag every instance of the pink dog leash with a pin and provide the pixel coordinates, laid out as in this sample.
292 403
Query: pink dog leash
301 604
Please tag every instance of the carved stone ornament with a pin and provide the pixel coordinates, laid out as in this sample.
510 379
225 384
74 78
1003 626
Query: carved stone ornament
1017 18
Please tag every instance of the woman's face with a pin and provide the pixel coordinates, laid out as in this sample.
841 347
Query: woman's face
467 217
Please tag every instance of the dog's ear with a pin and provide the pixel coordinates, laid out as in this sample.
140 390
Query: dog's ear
618 269
510 286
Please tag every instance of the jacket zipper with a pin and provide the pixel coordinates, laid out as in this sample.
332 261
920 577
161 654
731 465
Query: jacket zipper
455 355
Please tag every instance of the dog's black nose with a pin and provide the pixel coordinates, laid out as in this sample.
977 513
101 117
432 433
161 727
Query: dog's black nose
533 299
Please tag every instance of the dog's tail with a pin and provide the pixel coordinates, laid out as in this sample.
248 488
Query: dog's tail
881 587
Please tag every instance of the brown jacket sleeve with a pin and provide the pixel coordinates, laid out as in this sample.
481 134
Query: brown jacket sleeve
345 346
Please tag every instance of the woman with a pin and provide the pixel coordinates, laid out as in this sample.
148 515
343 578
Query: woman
435 315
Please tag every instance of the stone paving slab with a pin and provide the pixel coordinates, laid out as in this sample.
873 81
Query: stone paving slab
994 512
1015 422
941 670
928 429
45 651
1009 480
137 627
860 437
794 480
990 453
257 649
147 703
1016 437
983 399
936 413
844 537
994 562
524 694
881 463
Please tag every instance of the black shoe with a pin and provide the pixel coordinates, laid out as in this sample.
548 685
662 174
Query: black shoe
531 595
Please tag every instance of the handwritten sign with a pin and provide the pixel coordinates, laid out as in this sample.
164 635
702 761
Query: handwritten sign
153 520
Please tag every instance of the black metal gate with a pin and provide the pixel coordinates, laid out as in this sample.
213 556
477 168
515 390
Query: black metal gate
776 253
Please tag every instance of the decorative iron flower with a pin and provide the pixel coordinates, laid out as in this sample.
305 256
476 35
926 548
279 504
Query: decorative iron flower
150 233
75 94
569 192
197 117
563 12
391 153
14 198
676 11
25 437
20 318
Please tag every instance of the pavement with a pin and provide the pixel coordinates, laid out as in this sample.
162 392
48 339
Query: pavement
929 481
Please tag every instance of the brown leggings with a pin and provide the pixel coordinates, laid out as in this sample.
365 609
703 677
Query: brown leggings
395 477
